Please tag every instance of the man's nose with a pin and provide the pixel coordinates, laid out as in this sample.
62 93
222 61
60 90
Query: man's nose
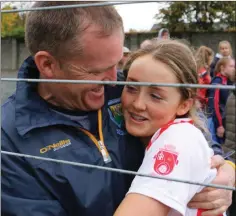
111 74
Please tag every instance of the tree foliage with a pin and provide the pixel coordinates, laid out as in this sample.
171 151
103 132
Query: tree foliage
12 24
198 16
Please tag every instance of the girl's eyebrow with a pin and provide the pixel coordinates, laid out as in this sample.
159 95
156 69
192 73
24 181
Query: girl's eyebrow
152 87
157 88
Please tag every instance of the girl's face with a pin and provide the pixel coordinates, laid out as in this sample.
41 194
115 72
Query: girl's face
229 68
225 49
146 109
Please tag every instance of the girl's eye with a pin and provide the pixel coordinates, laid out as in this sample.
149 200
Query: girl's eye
130 88
155 96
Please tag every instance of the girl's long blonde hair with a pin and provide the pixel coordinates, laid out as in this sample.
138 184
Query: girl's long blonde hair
202 56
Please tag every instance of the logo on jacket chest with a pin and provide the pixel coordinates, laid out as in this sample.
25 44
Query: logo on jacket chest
56 146
115 111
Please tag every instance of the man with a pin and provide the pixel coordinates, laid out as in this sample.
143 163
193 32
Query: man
81 123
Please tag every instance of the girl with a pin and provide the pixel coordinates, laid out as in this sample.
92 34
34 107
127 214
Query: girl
203 56
165 120
217 99
225 50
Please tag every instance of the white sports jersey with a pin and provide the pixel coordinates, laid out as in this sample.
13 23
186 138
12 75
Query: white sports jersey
178 150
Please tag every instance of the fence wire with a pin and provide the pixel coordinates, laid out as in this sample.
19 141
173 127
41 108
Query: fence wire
76 6
116 170
229 87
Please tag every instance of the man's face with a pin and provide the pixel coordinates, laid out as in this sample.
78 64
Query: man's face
98 62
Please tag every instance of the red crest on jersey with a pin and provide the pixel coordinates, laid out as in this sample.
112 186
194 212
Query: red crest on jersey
165 160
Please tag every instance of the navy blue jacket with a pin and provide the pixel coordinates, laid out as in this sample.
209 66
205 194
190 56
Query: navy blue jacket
38 188
217 99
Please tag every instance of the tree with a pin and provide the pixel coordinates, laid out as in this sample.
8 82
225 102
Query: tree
12 24
198 16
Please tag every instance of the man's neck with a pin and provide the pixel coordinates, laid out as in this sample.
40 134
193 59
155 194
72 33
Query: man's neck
58 104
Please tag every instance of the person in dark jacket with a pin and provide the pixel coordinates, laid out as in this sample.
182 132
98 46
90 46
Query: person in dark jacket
230 121
230 137
73 122
217 99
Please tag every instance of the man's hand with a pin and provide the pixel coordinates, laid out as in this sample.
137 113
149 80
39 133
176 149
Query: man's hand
216 201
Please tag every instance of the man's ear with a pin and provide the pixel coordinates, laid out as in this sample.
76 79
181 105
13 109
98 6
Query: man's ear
184 107
46 64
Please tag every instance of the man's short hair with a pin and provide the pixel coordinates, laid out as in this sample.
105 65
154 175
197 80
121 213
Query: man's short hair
58 31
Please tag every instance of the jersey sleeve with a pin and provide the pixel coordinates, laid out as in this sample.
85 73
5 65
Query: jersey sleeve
175 154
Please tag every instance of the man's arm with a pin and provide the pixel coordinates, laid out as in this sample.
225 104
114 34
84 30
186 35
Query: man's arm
216 201
22 193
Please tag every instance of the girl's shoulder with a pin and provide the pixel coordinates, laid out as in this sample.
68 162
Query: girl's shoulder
219 79
179 129
183 136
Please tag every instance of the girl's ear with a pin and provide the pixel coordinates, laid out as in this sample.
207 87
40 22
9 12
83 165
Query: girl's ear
184 107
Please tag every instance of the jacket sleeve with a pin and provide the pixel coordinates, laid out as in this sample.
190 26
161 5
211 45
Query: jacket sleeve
22 193
214 102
